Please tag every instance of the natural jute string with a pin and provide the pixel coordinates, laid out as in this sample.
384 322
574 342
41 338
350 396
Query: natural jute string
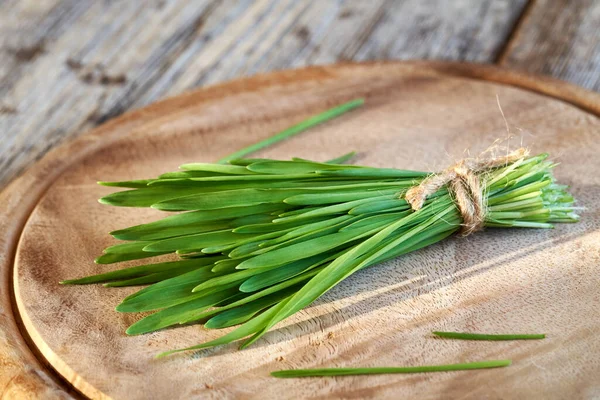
463 181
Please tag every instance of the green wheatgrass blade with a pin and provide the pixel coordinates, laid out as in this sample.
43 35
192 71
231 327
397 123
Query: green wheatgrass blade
251 242
246 161
344 157
486 336
221 169
504 177
225 280
305 194
246 329
226 265
341 159
517 202
305 249
271 227
232 182
437 231
152 235
146 196
236 251
292 285
142 270
168 292
308 228
141 232
127 247
375 219
135 184
271 277
225 199
517 191
296 129
110 258
296 211
241 314
295 236
199 241
253 219
274 167
322 184
187 174
378 206
321 372
328 210
172 315
366 172
300 159
151 278
309 199
172 296
414 244
256 179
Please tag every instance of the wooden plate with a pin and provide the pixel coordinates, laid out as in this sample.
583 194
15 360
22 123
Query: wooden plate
67 341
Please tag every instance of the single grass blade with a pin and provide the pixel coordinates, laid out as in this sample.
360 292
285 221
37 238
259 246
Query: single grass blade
341 159
151 278
135 184
296 129
110 258
321 372
142 270
275 167
486 336
174 314
146 196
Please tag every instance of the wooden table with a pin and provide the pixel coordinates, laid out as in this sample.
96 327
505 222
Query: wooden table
69 65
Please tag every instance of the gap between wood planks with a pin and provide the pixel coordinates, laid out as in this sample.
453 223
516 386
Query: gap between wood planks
512 35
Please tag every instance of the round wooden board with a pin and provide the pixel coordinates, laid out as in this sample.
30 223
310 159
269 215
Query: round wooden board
417 115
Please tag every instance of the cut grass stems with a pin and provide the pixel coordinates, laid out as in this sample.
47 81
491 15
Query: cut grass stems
298 128
257 240
485 336
321 372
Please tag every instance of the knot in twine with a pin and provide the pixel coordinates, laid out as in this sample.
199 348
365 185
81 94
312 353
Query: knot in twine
464 183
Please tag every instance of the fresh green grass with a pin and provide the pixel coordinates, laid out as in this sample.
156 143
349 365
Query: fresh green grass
321 372
256 240
484 336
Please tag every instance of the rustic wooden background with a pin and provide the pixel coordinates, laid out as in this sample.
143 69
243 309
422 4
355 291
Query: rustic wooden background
69 65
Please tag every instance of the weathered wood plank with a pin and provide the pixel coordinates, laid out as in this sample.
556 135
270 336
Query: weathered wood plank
560 38
328 31
66 66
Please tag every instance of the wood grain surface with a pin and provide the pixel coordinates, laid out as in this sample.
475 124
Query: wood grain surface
69 65
496 281
560 39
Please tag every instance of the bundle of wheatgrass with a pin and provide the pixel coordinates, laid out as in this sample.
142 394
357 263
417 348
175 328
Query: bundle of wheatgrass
258 240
